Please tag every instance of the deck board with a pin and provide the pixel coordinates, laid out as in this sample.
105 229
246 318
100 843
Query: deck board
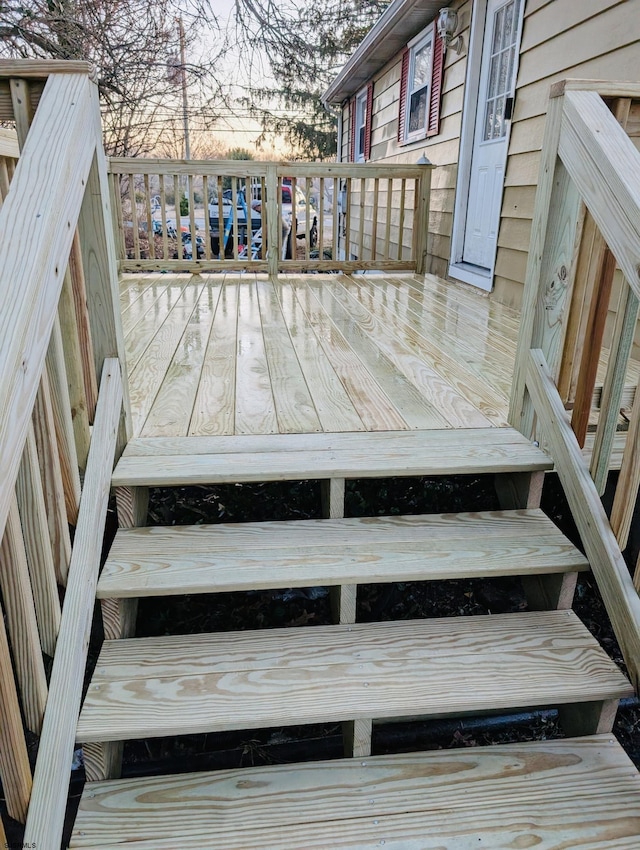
312 353
214 407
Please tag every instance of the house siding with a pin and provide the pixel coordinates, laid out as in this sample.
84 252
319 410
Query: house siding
593 39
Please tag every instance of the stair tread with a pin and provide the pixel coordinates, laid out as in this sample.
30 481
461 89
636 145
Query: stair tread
301 553
583 791
276 457
171 685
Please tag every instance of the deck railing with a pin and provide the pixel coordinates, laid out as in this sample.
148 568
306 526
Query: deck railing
585 238
59 328
261 216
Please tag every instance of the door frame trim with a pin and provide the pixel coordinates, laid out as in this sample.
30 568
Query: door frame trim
457 268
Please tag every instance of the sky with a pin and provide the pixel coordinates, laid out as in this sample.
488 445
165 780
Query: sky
237 128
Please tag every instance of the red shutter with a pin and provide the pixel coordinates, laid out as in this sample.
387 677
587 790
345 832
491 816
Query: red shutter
437 74
352 129
404 79
367 126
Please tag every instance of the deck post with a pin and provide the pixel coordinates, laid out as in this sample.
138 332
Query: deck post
421 228
272 236
550 268
100 266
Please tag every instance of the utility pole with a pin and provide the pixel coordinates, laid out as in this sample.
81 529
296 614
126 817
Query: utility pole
183 80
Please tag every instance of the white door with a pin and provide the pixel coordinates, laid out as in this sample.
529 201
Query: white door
489 153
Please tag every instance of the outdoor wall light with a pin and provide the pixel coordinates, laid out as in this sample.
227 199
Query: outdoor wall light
447 24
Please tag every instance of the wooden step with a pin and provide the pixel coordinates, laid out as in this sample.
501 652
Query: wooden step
174 685
575 793
211 558
165 461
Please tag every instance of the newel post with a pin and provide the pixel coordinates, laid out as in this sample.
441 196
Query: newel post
421 228
272 235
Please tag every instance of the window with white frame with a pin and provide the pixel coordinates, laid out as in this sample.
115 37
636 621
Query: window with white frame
418 85
361 126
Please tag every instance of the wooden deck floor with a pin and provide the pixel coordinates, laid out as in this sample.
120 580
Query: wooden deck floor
223 355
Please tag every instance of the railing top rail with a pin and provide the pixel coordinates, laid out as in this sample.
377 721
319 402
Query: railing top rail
40 69
605 88
9 143
253 168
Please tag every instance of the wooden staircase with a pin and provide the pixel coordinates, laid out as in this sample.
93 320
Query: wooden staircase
576 792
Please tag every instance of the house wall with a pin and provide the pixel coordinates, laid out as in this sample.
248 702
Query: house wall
593 39
590 39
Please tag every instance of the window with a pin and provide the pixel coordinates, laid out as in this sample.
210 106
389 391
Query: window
420 85
360 111
361 126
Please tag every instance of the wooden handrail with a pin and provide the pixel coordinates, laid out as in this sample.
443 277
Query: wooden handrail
45 820
39 215
609 568
369 215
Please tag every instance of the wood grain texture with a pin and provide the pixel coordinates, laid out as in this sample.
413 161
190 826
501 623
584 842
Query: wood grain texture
603 162
332 402
48 184
51 476
214 406
172 406
609 568
73 362
518 405
295 410
203 559
65 438
21 621
48 802
287 457
254 403
15 770
79 289
35 530
99 261
504 796
184 685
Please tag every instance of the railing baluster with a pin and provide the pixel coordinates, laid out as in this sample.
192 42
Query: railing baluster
79 291
192 218
363 189
21 620
61 407
347 247
177 197
33 516
335 231
403 201
51 475
374 225
134 218
234 215
163 213
15 770
221 245
147 203
205 201
74 371
387 224
321 220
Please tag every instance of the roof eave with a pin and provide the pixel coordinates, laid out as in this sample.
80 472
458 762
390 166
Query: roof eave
398 24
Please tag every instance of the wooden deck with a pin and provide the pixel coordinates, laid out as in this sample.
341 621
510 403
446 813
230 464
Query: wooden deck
236 354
